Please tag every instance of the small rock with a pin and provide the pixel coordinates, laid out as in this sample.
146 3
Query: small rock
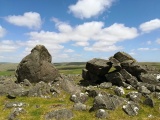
101 113
79 107
131 108
105 85
79 97
119 91
144 90
148 101
15 113
63 114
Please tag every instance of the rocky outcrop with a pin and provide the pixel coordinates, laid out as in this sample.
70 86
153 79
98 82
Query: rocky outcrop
37 66
121 70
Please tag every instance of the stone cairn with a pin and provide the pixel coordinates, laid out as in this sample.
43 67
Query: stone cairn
121 70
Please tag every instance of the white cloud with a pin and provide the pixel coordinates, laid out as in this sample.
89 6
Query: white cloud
103 38
8 46
158 41
2 31
143 49
31 20
83 44
104 48
148 49
89 8
150 25
69 50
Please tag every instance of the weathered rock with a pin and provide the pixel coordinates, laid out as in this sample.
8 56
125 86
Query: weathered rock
109 102
149 101
41 89
7 86
131 108
85 74
133 68
134 96
119 91
105 85
63 114
69 86
15 104
26 83
115 63
115 78
143 90
17 111
21 92
102 114
157 88
37 66
80 107
122 56
92 93
79 97
98 66
148 78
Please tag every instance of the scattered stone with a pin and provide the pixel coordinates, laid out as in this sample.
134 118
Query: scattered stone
15 104
119 91
143 90
105 85
109 102
6 86
79 97
63 114
131 108
41 89
37 66
134 96
157 88
148 78
102 114
15 113
26 83
149 101
80 107
21 92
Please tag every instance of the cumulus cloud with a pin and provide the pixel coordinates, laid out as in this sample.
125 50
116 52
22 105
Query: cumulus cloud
103 38
8 46
2 31
150 25
31 20
89 8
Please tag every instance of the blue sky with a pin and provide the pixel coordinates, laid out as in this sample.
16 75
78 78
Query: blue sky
79 30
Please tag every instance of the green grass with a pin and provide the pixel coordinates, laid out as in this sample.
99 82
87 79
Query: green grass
6 73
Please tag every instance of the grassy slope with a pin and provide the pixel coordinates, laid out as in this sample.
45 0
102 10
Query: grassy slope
47 105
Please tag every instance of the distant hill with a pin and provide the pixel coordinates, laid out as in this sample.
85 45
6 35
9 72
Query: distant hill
8 66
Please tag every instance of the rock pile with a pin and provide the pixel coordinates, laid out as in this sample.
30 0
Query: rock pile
37 66
127 72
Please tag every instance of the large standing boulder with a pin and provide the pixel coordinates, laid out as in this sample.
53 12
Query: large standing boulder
37 66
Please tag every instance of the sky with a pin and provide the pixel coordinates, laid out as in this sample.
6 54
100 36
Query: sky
80 30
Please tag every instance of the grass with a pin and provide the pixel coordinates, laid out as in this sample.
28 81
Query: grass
38 107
